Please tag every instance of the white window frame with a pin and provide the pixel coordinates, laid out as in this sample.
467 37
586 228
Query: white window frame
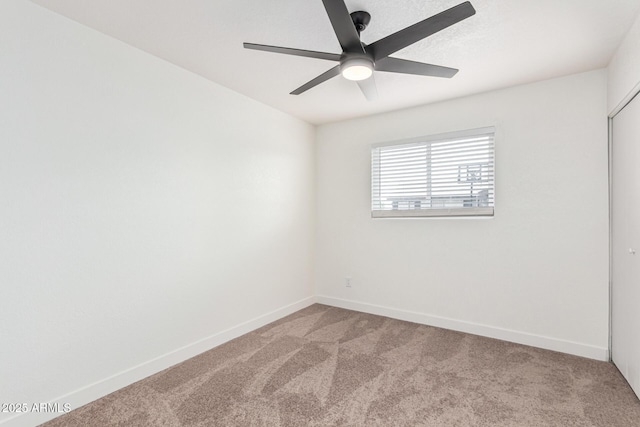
485 211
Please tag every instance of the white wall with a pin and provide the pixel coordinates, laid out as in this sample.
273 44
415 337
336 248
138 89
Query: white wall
143 209
624 70
536 273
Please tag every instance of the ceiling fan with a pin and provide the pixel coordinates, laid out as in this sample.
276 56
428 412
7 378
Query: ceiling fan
358 60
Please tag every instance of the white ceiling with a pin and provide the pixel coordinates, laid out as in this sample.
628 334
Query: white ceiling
504 44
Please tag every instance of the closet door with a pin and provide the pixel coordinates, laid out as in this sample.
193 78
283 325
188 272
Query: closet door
625 242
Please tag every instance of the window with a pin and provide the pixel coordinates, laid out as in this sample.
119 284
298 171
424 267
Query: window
442 175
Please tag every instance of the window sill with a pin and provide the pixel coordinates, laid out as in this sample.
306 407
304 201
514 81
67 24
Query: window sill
431 213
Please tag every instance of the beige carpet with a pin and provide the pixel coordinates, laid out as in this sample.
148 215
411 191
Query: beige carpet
329 366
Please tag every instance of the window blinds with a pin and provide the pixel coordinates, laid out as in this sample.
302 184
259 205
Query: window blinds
442 175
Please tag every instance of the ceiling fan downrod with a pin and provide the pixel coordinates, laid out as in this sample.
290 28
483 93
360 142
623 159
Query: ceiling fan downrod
360 20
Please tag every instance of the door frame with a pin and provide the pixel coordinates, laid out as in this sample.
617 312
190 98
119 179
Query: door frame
610 213
625 101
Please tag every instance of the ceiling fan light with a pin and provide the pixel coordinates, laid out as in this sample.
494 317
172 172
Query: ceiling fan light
357 69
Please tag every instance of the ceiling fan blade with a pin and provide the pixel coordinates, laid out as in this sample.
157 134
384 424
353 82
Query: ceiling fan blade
403 38
292 51
368 88
343 26
395 65
320 79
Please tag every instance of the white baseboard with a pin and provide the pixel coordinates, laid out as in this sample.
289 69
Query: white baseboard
563 346
101 388
122 379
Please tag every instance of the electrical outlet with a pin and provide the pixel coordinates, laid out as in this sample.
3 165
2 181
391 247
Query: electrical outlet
347 282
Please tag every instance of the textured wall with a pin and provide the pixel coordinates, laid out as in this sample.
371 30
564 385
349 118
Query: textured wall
535 273
143 207
624 70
